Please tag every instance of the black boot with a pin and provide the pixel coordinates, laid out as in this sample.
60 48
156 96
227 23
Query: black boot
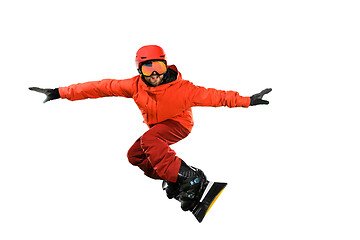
173 189
192 183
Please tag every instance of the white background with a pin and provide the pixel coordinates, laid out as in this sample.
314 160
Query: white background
292 166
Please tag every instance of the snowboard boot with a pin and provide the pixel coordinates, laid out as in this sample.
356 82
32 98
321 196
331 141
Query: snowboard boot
192 183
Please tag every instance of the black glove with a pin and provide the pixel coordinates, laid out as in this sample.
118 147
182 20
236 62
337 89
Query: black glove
256 99
51 94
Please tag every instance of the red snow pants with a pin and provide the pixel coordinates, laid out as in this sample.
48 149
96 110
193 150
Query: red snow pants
152 152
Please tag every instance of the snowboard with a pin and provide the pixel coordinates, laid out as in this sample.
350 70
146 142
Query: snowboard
210 195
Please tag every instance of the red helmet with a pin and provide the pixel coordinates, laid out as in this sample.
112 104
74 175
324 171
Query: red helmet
149 52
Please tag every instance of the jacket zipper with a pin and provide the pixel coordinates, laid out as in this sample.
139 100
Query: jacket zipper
156 110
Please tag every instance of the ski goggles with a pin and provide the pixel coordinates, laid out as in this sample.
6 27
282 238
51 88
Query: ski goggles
153 67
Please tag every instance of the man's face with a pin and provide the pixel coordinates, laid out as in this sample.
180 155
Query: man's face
155 79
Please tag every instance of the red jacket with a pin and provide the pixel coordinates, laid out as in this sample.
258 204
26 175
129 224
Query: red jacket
168 101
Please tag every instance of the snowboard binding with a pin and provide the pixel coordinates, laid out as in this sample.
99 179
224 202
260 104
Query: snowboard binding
194 191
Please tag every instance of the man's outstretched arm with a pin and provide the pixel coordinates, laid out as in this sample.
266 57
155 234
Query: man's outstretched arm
95 89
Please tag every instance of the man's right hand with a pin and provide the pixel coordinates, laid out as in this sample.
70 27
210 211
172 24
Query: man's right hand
51 94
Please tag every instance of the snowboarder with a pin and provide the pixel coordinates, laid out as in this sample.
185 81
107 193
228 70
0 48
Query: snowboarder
165 100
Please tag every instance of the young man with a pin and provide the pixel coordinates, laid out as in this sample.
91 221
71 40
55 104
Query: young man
165 101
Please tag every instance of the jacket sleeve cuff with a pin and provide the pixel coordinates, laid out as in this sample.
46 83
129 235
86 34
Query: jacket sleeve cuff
62 92
246 103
